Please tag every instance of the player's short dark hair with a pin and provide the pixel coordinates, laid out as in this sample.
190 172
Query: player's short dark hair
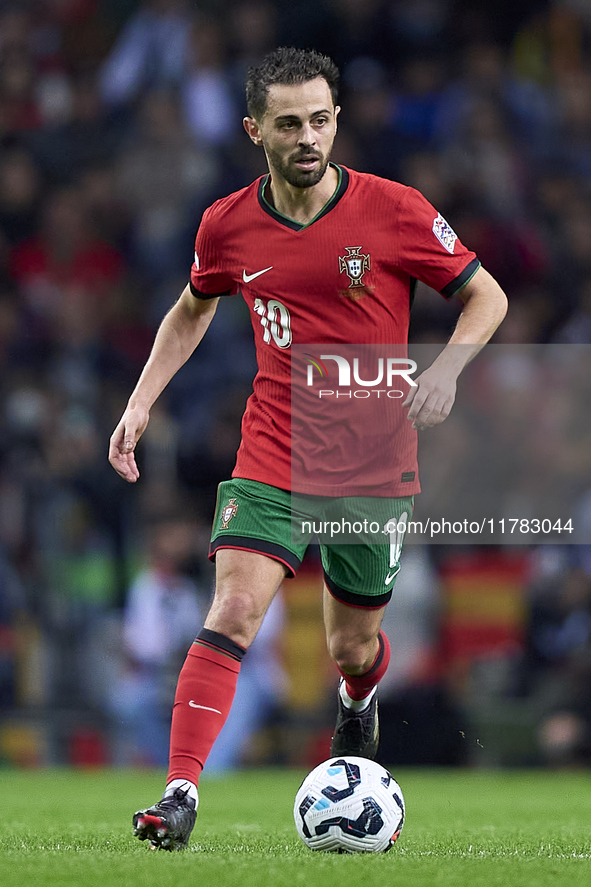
287 66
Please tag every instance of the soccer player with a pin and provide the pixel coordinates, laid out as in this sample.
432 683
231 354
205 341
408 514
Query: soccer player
285 243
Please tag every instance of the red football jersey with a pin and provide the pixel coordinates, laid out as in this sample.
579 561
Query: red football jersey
345 278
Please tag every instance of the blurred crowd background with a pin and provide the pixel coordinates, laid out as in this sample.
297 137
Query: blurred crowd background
120 121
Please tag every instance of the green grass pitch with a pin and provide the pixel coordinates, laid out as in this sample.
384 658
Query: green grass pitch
511 829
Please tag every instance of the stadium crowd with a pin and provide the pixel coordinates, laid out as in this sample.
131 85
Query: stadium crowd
119 123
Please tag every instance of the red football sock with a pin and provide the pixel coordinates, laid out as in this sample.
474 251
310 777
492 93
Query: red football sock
204 696
360 686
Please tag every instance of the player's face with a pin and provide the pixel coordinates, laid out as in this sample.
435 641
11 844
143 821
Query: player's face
298 130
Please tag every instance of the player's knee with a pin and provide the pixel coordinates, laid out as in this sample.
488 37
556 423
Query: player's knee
353 654
238 615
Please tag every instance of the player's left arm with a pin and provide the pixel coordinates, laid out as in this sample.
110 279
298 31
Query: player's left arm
485 306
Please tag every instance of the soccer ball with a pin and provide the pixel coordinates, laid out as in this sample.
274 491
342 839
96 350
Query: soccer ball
349 805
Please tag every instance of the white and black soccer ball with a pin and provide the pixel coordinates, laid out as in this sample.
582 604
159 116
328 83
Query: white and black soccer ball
349 805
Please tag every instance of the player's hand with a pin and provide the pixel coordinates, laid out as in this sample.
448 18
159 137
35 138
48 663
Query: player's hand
432 399
123 442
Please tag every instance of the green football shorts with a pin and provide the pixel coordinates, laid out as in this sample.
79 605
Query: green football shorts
360 538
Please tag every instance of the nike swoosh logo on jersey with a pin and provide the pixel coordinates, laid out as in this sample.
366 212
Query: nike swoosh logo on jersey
248 277
205 707
390 576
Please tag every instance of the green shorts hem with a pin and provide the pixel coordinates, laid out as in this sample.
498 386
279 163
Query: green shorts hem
259 546
253 516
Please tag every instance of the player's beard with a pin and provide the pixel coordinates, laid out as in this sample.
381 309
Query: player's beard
298 178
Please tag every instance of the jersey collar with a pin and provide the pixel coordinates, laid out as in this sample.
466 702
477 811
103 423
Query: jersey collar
342 186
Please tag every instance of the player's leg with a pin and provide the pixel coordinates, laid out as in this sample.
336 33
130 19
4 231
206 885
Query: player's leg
251 543
361 653
359 579
246 583
353 639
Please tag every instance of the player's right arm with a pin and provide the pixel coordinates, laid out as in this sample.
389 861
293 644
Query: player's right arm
179 334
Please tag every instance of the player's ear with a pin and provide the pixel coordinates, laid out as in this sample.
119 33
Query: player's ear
336 114
252 128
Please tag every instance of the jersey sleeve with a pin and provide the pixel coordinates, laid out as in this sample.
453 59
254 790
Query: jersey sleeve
429 248
210 276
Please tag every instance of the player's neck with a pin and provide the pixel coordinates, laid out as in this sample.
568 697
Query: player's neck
302 204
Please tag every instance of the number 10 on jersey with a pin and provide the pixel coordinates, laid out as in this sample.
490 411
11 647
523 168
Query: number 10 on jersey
275 321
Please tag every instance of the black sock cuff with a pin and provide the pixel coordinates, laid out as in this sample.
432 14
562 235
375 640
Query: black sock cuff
379 658
220 642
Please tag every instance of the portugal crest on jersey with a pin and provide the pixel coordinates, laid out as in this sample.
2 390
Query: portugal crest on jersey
355 265
228 512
